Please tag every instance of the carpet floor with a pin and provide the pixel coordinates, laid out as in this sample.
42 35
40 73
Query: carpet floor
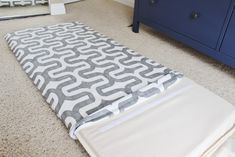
28 127
9 12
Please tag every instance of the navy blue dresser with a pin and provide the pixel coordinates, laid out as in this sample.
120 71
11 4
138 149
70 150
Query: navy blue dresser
206 25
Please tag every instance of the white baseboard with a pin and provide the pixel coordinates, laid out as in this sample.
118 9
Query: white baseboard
57 7
70 1
127 2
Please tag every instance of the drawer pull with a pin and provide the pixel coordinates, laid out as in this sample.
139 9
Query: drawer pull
152 2
195 15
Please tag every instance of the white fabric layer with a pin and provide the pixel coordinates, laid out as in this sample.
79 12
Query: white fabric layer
228 149
192 123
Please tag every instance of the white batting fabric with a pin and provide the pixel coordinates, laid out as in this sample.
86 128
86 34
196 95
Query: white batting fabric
184 121
228 149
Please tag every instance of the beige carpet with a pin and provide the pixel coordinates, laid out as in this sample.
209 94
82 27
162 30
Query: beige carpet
29 128
8 12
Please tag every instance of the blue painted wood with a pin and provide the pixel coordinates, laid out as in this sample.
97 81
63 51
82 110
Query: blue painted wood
189 17
229 14
228 45
205 32
136 21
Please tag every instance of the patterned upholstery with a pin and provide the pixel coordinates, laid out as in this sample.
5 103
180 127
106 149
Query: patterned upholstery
84 75
12 3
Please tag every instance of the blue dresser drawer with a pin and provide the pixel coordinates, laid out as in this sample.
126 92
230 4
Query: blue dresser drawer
228 45
200 20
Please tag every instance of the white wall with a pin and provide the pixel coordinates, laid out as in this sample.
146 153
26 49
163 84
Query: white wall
127 2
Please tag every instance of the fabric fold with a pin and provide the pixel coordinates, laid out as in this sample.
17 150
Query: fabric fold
186 119
131 100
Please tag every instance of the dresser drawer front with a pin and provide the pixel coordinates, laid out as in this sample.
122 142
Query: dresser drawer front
228 45
201 20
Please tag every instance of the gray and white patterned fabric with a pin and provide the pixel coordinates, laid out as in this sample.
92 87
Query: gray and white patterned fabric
85 76
13 3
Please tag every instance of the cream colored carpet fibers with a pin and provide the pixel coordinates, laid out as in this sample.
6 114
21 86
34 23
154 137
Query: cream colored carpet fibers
29 128
7 12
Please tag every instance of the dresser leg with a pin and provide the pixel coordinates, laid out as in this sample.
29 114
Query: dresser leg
136 26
